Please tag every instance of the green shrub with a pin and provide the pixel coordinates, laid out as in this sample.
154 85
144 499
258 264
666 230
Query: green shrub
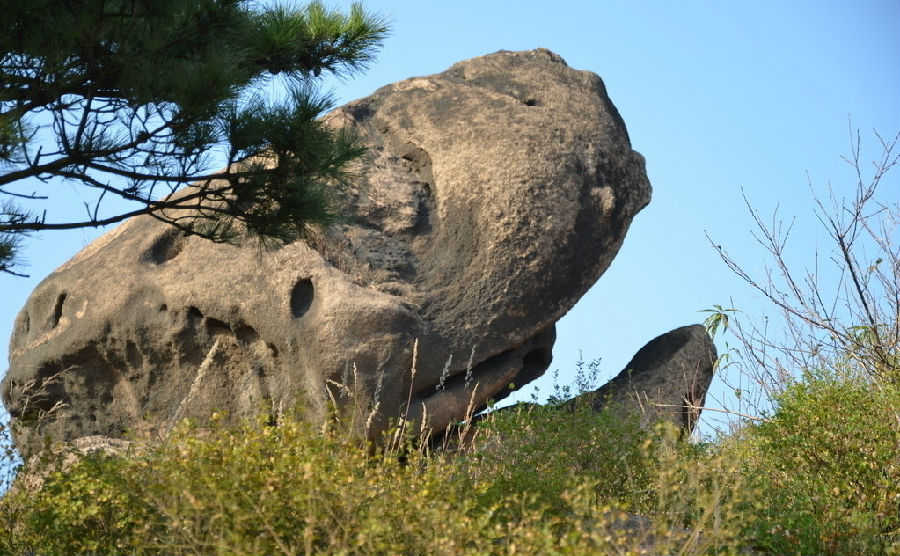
290 489
827 468
544 450
96 507
286 489
819 476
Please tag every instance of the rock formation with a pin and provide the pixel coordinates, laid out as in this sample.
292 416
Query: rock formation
493 196
666 379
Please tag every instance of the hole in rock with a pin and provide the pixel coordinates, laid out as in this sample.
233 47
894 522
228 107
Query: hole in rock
57 309
215 326
246 334
301 297
165 248
194 313
530 102
133 355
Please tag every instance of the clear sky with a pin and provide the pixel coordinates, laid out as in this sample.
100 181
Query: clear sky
718 96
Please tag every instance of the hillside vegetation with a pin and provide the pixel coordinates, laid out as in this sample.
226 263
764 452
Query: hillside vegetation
811 480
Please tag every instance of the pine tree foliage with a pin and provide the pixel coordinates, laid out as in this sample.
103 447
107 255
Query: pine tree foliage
136 99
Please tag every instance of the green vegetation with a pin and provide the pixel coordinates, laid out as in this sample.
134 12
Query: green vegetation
828 468
290 489
820 476
135 100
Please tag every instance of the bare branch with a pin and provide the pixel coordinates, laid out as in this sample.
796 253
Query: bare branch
846 322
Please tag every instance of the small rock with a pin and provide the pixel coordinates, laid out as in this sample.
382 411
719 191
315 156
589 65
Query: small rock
667 379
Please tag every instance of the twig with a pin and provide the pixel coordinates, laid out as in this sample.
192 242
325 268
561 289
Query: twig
702 408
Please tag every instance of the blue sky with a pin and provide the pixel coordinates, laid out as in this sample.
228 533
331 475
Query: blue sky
718 96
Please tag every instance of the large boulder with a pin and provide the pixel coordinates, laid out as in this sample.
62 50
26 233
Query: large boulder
493 196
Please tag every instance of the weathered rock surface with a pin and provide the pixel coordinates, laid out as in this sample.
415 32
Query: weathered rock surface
494 195
666 379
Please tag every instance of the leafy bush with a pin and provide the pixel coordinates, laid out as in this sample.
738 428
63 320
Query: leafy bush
819 476
290 489
545 449
827 467
9 461
826 461
254 490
